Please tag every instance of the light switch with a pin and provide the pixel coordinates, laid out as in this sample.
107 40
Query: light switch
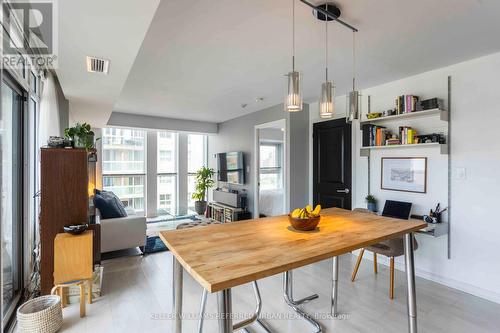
460 174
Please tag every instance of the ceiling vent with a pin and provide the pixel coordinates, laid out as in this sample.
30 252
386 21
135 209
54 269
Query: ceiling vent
97 65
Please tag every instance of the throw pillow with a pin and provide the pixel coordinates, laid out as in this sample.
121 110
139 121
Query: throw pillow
109 205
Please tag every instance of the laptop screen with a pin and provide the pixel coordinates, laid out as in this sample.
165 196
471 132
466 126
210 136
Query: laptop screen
397 209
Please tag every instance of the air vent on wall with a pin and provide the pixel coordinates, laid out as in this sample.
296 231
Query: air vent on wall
96 65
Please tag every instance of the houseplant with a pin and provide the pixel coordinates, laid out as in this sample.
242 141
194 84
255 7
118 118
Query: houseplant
204 182
81 135
372 203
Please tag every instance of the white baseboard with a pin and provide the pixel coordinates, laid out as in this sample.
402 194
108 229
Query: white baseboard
455 284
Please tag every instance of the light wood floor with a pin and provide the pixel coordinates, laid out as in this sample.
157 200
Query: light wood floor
137 293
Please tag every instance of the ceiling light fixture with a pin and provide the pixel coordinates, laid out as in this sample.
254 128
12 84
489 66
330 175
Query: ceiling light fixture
293 95
327 99
354 97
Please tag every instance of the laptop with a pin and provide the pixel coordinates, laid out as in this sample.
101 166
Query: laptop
397 209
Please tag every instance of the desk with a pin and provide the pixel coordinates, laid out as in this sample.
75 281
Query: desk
220 257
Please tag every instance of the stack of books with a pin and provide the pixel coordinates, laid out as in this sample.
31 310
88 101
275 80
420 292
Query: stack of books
407 135
374 135
406 104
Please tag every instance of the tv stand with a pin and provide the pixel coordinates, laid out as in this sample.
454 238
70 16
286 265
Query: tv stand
225 213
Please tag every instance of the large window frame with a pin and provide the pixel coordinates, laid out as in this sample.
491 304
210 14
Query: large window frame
172 174
131 176
154 198
192 173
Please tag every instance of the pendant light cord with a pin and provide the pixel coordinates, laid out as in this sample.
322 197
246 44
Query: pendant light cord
293 35
326 45
353 61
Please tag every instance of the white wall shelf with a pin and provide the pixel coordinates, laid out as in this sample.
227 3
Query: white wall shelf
365 151
443 115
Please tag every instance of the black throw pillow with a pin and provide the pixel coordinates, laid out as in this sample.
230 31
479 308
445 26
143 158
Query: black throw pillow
109 205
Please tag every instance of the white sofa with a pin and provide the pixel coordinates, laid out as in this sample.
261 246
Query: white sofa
123 233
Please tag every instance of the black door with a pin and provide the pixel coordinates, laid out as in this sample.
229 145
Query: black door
332 164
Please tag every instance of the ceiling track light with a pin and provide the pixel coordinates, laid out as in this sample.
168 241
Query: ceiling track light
293 93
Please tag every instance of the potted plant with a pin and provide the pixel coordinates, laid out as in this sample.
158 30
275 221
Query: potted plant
204 182
372 203
81 135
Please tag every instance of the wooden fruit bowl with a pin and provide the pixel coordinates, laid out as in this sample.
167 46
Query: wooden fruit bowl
304 224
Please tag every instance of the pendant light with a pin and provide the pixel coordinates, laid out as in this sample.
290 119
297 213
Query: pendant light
354 97
293 94
327 99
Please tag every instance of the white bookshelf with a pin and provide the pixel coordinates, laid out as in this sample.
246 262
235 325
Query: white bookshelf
365 151
443 115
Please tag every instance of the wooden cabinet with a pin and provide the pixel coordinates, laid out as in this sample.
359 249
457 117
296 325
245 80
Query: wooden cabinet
64 200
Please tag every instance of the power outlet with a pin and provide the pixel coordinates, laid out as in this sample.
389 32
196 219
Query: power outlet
460 174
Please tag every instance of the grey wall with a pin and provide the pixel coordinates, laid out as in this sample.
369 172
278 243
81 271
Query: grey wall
272 134
63 104
238 135
298 138
160 123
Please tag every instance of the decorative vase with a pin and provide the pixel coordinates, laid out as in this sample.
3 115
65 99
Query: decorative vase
372 206
200 207
79 141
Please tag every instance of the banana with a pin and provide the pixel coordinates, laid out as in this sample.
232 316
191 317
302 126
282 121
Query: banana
316 210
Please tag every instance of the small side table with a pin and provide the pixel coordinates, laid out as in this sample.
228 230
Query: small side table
73 265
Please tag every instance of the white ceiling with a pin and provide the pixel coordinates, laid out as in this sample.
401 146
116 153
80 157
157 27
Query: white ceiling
111 29
202 59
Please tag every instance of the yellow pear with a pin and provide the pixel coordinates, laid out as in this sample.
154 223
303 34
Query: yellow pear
309 208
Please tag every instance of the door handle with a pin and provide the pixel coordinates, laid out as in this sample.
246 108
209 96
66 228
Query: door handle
344 191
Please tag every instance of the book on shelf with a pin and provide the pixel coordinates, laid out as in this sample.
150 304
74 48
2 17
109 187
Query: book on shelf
407 135
374 135
406 104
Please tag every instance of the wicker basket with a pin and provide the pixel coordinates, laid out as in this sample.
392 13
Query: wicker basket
40 315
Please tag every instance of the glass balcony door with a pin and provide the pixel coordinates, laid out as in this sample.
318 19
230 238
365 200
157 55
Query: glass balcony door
11 208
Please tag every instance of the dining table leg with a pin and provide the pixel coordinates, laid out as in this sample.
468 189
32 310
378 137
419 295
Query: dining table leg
410 278
224 303
177 296
335 286
288 295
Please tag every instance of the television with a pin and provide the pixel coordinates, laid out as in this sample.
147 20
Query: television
231 167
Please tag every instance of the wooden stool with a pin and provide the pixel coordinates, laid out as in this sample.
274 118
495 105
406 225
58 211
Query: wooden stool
59 290
73 265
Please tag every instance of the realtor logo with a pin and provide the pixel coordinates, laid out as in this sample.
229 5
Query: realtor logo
30 33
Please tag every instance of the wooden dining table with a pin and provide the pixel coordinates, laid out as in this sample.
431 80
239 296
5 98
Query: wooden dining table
221 257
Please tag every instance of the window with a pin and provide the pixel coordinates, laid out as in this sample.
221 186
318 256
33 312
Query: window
11 134
124 166
271 174
197 158
167 173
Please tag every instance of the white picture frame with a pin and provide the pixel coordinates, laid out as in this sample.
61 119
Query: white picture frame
405 174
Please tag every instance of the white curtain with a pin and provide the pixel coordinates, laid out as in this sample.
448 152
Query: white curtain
49 111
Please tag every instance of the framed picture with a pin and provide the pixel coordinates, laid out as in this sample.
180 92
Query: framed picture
407 174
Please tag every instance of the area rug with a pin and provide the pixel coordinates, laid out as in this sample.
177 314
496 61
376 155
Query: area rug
154 244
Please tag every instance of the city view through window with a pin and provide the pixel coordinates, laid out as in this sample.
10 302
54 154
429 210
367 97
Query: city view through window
125 167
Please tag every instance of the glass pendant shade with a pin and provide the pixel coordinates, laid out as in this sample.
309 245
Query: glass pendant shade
293 94
353 105
327 100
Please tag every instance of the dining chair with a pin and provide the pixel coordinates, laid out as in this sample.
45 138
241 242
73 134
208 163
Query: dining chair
391 248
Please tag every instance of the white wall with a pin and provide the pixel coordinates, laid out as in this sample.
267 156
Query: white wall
474 265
